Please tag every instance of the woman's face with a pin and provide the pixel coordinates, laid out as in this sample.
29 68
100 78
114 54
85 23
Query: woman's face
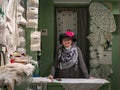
66 42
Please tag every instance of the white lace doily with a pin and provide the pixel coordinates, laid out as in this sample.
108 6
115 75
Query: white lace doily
102 17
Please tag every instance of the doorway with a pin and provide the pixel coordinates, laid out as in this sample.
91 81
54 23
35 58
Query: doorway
76 19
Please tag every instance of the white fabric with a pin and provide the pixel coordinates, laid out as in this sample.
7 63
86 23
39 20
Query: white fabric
9 10
33 10
32 23
34 3
70 81
40 79
13 73
101 40
35 41
96 80
21 19
77 84
21 50
20 8
2 31
11 37
21 32
81 86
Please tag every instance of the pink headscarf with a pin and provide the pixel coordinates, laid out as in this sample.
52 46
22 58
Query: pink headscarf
69 33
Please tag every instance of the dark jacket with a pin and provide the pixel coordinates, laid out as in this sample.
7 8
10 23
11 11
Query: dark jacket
78 70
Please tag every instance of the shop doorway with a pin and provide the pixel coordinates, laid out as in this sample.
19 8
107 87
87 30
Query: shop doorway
76 19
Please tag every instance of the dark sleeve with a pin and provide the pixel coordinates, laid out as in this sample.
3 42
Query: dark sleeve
82 64
54 66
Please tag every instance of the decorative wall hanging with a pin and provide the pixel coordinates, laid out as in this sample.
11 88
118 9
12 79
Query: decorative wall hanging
32 14
94 39
66 19
2 23
21 32
21 41
33 10
94 28
20 19
21 50
9 10
32 23
2 31
9 23
20 8
102 17
33 3
102 24
36 41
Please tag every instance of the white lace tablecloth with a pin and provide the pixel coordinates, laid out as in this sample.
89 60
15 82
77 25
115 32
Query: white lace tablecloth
77 84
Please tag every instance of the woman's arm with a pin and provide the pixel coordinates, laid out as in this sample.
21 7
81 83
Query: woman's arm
81 64
54 66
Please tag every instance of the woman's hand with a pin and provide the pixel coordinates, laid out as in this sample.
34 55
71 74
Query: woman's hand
50 77
91 77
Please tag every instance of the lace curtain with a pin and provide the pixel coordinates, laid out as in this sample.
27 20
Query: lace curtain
66 19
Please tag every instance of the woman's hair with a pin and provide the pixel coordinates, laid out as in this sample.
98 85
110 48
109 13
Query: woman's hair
67 34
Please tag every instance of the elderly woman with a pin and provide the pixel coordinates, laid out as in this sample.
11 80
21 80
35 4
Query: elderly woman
69 61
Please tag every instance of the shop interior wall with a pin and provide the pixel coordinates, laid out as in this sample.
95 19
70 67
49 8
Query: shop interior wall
46 21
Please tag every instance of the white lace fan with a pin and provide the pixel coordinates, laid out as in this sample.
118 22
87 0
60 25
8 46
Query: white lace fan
102 17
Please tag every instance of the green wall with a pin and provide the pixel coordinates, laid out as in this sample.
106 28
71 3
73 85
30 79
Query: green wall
28 41
46 21
115 80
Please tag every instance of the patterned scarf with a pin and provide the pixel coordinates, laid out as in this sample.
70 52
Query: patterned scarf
67 57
